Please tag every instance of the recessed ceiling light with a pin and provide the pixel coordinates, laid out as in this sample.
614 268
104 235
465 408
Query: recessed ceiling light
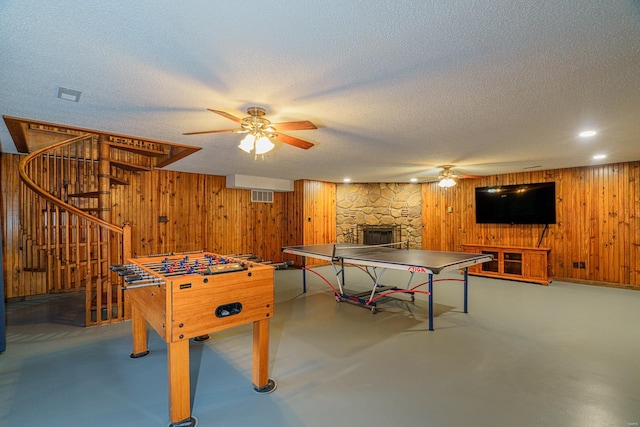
414 179
587 133
599 156
347 180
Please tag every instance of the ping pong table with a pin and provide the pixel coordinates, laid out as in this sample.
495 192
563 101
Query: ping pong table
377 259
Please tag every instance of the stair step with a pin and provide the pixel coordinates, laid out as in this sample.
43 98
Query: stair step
130 166
117 180
86 194
137 149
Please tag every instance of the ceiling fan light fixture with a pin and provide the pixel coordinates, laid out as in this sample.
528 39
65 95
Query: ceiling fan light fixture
247 142
263 145
446 182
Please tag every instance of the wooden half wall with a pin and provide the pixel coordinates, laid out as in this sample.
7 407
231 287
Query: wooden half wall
598 221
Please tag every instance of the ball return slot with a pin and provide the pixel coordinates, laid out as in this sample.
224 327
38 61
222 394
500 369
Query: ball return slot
228 309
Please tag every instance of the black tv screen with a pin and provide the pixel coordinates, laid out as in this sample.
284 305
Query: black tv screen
517 204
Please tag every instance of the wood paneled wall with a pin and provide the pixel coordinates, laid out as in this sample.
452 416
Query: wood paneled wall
200 212
18 282
598 221
310 217
598 211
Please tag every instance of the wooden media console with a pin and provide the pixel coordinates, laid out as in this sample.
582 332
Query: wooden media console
522 263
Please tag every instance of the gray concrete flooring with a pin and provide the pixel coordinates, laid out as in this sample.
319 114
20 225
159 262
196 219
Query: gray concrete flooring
525 355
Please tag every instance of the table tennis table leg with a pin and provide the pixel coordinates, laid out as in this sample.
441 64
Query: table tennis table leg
466 293
339 273
430 302
304 275
376 282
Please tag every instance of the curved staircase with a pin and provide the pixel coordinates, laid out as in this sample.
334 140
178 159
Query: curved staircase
65 204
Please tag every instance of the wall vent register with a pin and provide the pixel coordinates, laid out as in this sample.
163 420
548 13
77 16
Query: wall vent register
262 196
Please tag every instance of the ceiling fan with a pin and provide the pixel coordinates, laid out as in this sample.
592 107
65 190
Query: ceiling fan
447 177
261 131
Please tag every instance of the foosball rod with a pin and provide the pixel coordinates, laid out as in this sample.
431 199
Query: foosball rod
168 254
140 284
163 262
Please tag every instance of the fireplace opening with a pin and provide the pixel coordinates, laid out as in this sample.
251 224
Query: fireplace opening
377 236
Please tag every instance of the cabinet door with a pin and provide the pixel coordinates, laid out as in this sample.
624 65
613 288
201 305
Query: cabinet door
512 263
491 266
535 266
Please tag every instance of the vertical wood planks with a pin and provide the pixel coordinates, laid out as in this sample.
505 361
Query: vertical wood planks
597 221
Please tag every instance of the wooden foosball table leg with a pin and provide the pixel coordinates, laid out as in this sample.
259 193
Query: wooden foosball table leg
139 334
261 381
179 389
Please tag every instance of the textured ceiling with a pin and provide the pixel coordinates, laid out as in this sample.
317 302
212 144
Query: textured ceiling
396 88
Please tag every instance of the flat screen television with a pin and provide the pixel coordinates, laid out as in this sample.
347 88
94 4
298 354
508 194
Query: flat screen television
517 204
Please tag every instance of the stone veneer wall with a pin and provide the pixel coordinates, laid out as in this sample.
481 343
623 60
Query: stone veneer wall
379 204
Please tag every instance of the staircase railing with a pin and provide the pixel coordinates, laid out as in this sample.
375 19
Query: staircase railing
73 247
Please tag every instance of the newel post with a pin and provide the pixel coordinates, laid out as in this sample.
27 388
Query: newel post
104 180
126 242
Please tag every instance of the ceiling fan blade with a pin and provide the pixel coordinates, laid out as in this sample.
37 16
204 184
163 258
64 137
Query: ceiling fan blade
227 115
463 176
214 131
305 145
299 125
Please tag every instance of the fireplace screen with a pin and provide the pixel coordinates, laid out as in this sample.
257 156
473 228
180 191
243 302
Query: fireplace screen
378 234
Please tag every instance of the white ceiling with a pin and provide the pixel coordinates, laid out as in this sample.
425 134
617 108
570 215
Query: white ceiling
396 88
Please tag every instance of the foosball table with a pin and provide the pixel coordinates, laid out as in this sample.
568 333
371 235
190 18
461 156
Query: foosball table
189 295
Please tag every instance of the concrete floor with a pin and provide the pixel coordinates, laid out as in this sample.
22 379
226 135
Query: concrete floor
525 355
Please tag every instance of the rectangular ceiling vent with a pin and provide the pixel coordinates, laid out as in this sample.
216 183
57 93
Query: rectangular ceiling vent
69 94
262 196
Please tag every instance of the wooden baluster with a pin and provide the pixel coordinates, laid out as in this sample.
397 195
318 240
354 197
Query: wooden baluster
126 254
87 277
67 248
77 231
57 250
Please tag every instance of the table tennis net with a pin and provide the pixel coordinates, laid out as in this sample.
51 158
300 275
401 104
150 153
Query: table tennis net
365 248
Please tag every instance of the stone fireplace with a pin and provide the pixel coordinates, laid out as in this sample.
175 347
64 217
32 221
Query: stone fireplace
388 213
